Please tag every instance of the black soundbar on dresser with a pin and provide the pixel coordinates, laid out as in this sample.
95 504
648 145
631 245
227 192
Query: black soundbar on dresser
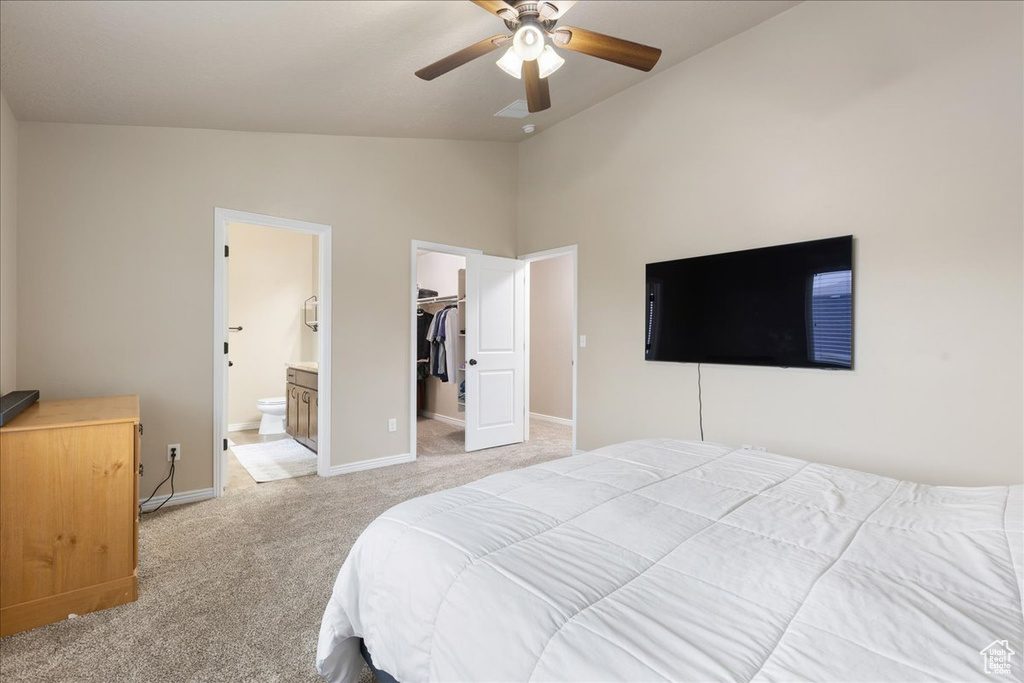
13 403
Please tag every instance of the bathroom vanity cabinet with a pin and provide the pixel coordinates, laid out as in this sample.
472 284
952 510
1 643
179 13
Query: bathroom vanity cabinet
301 395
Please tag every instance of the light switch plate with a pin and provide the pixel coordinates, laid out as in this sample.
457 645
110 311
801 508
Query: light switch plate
583 341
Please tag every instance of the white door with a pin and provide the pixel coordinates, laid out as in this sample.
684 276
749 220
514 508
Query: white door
495 350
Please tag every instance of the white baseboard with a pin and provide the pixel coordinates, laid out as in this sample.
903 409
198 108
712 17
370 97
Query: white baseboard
180 498
243 426
454 421
578 452
550 418
370 464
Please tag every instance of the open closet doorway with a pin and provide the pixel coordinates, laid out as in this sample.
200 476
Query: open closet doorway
271 350
470 346
440 352
473 309
551 348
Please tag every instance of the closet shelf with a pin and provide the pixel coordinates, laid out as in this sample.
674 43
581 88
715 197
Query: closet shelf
438 300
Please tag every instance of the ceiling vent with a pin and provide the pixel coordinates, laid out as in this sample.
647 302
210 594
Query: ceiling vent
517 110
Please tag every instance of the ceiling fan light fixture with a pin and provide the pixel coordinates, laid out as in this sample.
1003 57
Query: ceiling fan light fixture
528 42
549 61
511 63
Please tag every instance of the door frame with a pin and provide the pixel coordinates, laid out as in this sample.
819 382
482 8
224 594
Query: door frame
221 218
543 256
416 246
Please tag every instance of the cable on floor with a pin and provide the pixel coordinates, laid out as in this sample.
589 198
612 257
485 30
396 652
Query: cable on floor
700 404
143 503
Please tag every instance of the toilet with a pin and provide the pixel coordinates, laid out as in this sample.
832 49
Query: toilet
273 410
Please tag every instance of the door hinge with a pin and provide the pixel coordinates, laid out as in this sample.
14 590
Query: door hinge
225 444
140 429
140 469
226 250
225 347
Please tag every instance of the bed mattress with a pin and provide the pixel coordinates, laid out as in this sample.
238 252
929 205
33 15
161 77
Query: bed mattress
684 561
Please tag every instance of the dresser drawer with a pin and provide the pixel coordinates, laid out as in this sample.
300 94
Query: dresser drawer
302 378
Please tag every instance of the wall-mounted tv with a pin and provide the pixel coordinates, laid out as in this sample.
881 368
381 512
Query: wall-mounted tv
786 306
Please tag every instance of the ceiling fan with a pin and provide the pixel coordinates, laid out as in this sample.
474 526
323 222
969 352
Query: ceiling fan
531 57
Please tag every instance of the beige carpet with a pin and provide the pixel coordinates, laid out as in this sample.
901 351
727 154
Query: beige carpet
233 589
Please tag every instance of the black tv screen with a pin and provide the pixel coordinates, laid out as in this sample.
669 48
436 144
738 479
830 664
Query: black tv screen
787 306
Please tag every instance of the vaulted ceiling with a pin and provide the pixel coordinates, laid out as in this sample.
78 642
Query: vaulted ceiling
341 68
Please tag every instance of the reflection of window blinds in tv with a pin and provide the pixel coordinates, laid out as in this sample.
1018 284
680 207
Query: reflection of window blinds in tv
653 318
832 317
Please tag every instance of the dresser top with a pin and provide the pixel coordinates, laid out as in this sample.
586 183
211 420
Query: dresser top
75 412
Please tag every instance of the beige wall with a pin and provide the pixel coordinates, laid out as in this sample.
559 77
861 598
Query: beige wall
900 123
551 290
310 339
440 272
8 249
270 275
116 260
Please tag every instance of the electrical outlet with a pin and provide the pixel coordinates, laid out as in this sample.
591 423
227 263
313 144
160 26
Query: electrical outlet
760 449
583 341
173 452
393 425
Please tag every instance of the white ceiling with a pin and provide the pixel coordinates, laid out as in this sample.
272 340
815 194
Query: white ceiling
340 68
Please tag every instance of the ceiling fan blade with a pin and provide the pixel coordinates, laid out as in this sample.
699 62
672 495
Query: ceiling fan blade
498 7
550 11
466 54
598 45
538 97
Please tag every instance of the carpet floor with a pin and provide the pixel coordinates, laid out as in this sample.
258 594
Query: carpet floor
233 589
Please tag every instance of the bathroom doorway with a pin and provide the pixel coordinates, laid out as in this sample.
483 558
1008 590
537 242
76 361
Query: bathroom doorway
272 341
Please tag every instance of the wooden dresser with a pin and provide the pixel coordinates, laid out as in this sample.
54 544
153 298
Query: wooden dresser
69 500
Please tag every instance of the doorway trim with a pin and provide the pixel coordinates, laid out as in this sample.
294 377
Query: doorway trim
221 218
417 245
543 256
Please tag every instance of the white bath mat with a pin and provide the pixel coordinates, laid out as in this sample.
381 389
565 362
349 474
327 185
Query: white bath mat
273 460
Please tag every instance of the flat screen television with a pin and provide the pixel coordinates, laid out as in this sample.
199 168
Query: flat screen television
785 306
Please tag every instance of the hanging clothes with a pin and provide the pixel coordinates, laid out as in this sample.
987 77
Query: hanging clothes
442 336
423 321
451 338
434 343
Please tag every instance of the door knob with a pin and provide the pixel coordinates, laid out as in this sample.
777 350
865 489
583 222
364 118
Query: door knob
472 361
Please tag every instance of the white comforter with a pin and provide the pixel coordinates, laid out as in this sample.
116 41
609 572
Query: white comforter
669 560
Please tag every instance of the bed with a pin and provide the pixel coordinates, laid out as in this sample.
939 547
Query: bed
684 561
